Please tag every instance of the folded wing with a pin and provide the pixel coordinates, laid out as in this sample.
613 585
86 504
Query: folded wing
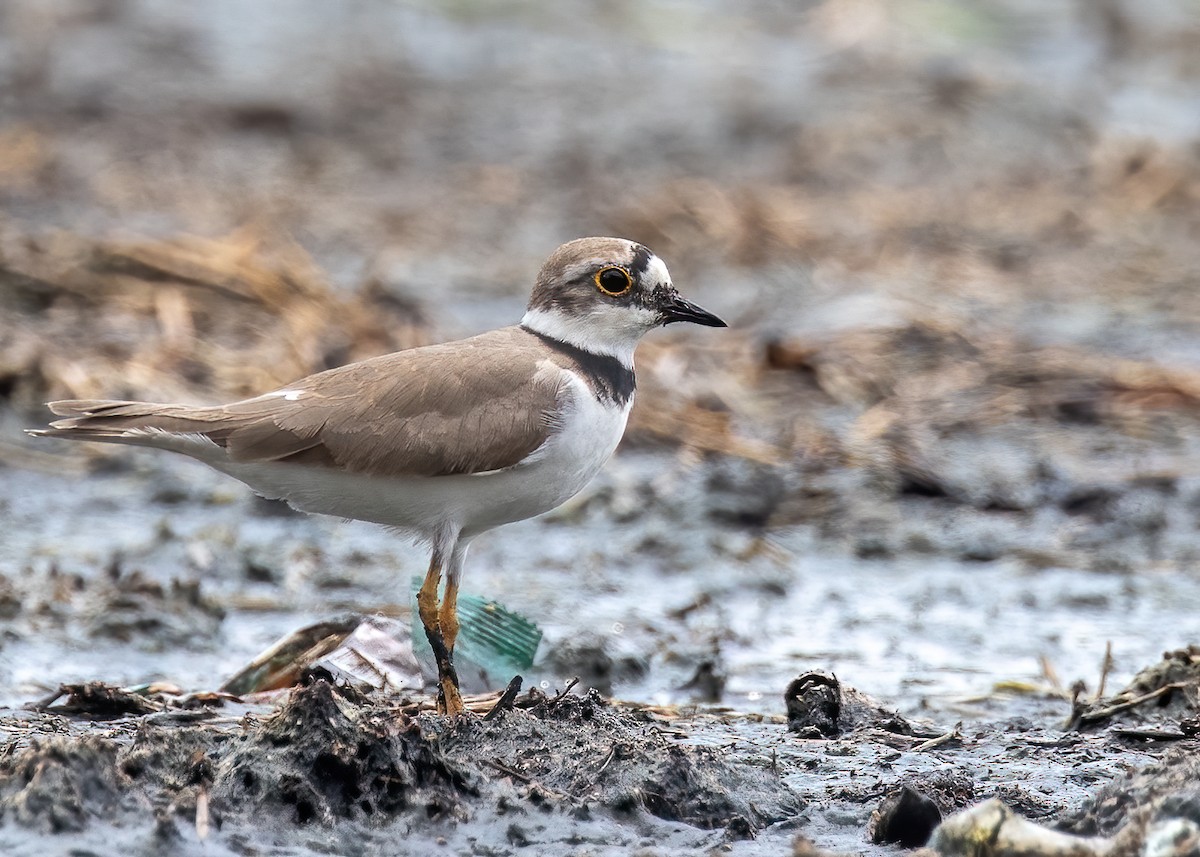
485 405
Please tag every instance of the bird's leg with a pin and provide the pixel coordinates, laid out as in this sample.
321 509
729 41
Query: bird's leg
448 613
449 699
448 624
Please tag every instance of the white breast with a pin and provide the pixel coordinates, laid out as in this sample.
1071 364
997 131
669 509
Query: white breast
590 432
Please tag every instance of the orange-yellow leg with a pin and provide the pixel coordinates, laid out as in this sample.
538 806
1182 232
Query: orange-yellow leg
449 699
448 624
448 614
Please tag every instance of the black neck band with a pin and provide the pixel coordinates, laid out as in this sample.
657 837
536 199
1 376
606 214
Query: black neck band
609 377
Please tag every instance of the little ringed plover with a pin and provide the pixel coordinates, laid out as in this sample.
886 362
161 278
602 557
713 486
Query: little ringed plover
445 441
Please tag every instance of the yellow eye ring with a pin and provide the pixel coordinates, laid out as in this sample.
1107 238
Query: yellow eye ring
613 280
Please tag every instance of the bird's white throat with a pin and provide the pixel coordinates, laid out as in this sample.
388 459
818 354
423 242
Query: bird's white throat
613 331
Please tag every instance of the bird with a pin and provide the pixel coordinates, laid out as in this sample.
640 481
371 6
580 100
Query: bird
441 442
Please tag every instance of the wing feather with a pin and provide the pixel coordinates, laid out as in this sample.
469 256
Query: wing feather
481 404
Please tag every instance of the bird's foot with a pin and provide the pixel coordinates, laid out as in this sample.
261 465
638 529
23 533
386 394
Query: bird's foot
441 630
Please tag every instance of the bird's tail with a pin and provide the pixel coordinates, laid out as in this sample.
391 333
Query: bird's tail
137 423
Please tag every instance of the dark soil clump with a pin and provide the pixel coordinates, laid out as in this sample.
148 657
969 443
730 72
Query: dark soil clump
578 751
820 706
330 760
906 818
59 784
1168 784
327 755
814 705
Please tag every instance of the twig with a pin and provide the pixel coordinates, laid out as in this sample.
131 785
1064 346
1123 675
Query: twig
1105 713
202 818
506 699
1150 734
524 778
954 734
1051 675
1105 666
567 689
47 700
612 752
508 772
894 739
183 716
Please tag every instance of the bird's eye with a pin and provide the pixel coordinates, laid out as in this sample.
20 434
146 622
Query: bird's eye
614 281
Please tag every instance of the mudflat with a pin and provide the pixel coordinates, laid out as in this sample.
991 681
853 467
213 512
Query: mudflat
917 532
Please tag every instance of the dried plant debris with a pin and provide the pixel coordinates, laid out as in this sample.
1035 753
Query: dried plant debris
381 653
947 418
98 700
285 661
991 829
1168 691
926 394
186 318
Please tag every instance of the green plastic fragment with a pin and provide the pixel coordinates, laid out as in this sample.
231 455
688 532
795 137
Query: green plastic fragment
494 643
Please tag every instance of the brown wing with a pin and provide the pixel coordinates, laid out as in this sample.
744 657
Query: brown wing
480 404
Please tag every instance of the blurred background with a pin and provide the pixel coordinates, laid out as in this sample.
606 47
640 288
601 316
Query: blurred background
949 441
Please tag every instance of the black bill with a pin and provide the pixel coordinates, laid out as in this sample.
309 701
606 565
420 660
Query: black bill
677 309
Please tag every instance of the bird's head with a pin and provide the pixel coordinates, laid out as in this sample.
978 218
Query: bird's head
604 294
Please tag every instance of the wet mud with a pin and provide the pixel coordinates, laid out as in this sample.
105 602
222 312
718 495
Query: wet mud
322 765
332 763
918 532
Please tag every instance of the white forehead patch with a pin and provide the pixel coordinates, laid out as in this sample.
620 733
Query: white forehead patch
657 273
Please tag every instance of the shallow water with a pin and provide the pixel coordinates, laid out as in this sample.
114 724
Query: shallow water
923 633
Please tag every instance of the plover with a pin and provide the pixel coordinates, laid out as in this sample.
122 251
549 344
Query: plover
445 441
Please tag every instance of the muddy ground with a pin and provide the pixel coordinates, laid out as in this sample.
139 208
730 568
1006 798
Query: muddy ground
947 451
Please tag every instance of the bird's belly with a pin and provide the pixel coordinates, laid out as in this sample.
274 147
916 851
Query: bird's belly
473 502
